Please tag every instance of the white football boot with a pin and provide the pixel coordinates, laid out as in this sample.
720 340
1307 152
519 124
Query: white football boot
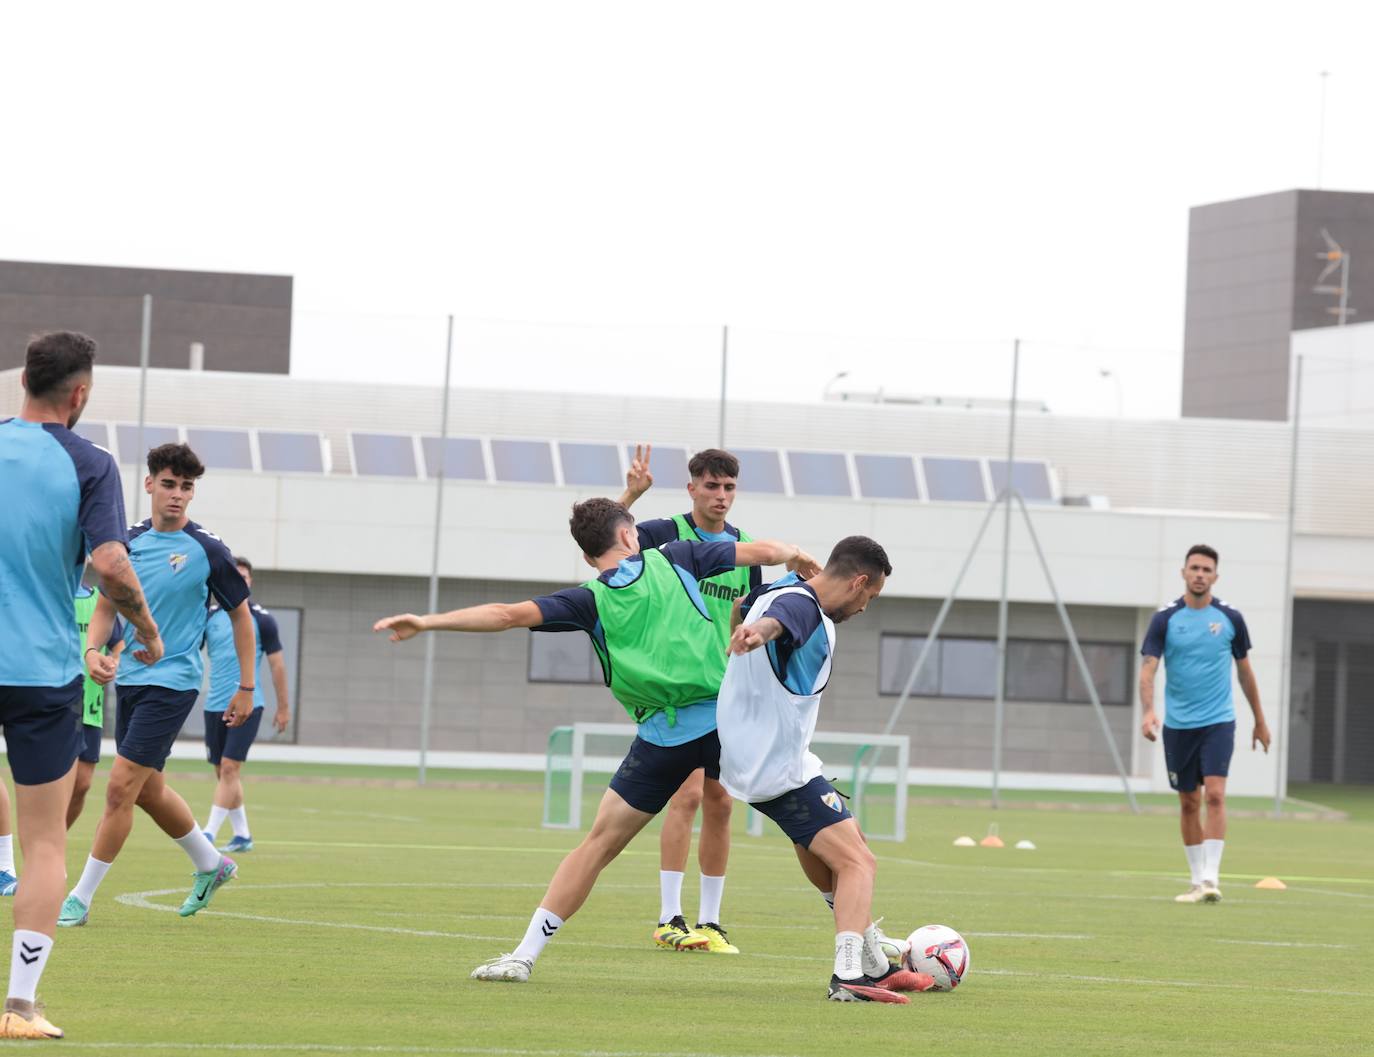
1193 895
504 969
1211 892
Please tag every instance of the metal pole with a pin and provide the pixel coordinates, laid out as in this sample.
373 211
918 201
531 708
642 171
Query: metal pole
1345 287
1321 130
427 697
1000 700
724 363
1285 669
1078 657
145 341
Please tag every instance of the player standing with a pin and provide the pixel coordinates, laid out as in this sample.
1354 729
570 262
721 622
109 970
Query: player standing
62 501
227 747
1198 636
713 477
660 654
182 565
769 701
92 702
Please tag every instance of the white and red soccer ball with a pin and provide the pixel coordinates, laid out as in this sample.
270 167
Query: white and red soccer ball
941 952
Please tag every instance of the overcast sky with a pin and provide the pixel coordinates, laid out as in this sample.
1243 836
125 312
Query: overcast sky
889 189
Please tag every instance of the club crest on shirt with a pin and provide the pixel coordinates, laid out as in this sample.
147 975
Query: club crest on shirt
832 801
177 562
1214 627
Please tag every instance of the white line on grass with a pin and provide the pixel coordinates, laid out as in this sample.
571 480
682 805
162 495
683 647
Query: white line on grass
325 1047
143 900
1282 943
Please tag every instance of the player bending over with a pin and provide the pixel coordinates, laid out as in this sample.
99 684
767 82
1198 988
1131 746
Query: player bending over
226 747
661 657
780 663
1198 635
182 565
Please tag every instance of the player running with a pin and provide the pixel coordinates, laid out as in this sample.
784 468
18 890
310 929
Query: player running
713 478
661 657
92 701
1198 635
780 663
182 565
63 501
227 747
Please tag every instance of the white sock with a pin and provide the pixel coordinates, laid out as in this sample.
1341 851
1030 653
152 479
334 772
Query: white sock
849 950
829 898
874 961
670 895
197 845
30 954
238 818
712 888
217 816
1194 853
1211 851
7 853
542 927
91 877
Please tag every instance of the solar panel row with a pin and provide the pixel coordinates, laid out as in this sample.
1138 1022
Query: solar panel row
822 474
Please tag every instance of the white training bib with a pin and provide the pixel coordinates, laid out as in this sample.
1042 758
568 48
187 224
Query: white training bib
765 729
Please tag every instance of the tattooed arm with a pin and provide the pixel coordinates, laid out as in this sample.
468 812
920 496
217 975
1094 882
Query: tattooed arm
119 583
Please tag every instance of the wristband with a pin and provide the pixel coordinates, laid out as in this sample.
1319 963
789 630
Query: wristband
247 689
89 648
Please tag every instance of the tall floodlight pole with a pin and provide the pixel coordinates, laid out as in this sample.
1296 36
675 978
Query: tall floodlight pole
145 341
724 366
1286 668
1321 129
1008 489
427 695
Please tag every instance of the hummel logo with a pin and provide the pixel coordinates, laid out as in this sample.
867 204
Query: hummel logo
28 955
547 929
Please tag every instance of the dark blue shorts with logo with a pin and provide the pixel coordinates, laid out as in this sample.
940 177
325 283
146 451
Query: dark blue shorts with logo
148 720
804 812
1194 753
650 774
42 727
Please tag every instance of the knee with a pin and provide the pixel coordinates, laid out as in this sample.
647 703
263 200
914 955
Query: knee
120 795
1190 805
1215 801
229 769
81 786
857 859
717 802
686 800
148 796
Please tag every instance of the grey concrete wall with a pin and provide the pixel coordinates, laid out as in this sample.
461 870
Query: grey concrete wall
358 689
244 321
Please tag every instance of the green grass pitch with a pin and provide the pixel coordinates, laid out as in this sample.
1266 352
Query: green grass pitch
354 924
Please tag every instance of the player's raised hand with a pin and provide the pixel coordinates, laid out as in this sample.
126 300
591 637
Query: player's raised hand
804 565
1260 736
745 639
1149 725
640 479
402 626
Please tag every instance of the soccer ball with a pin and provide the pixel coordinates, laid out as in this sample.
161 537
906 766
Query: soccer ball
941 952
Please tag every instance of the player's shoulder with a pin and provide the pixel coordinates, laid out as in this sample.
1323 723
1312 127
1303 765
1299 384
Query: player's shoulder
86 454
261 613
214 546
139 528
1230 610
1169 608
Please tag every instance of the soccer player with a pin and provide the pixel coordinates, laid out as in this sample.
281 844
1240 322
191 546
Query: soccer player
781 656
661 656
713 477
62 501
1198 636
93 702
227 747
182 565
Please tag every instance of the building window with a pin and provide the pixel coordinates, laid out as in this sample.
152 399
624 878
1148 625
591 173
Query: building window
563 657
1037 669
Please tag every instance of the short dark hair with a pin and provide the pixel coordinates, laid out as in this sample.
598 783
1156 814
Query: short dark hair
179 458
858 556
715 461
594 523
1204 550
238 560
52 359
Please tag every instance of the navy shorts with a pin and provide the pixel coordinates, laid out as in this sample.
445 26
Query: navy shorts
1198 752
42 730
223 741
90 744
650 774
148 720
804 812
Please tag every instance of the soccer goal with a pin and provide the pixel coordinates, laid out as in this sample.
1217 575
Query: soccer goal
871 769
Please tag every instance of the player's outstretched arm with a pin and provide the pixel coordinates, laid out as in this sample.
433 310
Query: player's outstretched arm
119 583
639 479
772 552
749 637
1149 722
246 647
494 616
1250 688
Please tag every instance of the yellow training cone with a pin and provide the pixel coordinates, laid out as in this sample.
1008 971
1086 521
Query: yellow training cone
1271 882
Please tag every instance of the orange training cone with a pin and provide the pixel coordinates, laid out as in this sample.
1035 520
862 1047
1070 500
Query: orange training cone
1271 882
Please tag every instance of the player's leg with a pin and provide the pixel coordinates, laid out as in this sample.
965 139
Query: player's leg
121 794
86 760
674 845
1181 760
713 853
229 792
165 806
8 880
216 733
1218 743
